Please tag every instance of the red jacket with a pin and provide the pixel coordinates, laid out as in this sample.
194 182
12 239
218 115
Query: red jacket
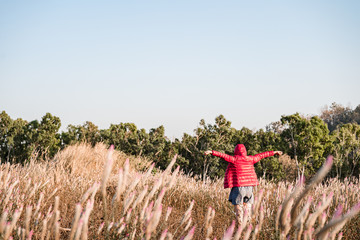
240 171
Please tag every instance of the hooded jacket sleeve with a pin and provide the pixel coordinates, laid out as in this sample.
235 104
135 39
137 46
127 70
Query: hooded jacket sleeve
224 156
260 156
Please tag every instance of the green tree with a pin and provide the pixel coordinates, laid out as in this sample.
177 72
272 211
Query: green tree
19 139
247 137
43 137
19 150
346 149
125 137
305 140
337 114
207 136
13 142
158 147
6 140
269 167
88 132
356 115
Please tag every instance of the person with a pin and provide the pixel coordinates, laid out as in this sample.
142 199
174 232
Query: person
240 176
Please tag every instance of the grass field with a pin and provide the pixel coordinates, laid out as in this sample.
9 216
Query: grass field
96 193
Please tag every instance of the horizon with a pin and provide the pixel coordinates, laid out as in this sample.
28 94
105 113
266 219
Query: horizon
63 128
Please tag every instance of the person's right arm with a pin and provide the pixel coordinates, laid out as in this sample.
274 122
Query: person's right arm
260 156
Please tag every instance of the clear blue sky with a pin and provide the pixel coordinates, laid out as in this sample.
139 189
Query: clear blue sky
173 63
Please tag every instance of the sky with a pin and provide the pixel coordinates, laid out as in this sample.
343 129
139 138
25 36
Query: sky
173 63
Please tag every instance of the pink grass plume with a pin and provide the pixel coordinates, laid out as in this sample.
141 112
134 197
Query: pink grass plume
229 232
163 234
190 234
168 212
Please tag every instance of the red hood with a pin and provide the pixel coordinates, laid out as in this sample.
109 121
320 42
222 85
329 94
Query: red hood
240 150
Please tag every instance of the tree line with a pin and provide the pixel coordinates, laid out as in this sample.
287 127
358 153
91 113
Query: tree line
307 140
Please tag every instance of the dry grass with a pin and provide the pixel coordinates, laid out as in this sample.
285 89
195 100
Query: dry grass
95 193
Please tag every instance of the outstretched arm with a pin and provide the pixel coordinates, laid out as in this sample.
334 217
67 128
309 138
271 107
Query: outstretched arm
224 156
260 156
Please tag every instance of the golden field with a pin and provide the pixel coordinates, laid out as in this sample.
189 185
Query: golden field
98 193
